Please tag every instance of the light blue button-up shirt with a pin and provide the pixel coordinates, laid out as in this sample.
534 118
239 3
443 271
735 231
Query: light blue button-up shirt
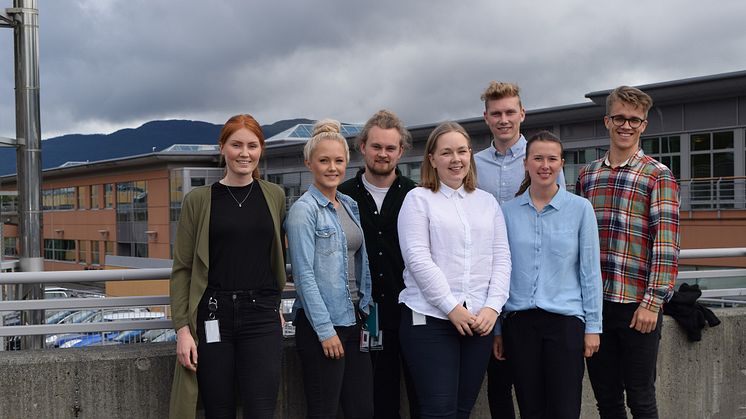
555 258
317 247
502 174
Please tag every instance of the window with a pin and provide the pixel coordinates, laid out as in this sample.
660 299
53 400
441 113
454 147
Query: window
82 251
10 246
109 248
132 201
94 253
108 195
80 192
94 204
712 167
58 199
666 150
64 250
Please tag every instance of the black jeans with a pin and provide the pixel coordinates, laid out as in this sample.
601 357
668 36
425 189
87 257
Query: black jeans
248 354
328 382
500 389
387 371
447 368
545 353
626 360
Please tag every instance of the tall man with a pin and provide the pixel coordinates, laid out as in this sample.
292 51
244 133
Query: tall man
636 200
379 190
500 172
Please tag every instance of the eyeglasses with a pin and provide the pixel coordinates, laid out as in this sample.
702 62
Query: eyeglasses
619 120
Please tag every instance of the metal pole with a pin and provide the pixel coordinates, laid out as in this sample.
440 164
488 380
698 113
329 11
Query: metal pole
28 131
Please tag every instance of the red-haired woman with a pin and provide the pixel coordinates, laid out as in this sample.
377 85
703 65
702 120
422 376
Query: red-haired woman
227 278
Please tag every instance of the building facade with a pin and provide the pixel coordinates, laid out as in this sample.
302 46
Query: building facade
129 206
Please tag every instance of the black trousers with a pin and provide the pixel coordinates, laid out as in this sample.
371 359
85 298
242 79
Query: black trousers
330 382
545 353
626 361
387 371
248 354
447 368
500 389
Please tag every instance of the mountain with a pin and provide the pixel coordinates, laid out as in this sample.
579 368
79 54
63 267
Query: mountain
154 135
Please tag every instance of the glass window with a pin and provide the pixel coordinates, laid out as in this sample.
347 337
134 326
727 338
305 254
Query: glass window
64 250
94 253
81 197
94 204
721 140
82 252
666 150
108 195
109 248
10 246
700 142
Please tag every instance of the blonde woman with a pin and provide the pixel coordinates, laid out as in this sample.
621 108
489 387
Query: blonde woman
332 278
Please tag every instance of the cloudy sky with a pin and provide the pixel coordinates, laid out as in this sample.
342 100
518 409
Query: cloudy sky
112 64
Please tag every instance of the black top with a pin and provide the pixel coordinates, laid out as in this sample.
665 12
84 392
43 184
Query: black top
382 242
240 240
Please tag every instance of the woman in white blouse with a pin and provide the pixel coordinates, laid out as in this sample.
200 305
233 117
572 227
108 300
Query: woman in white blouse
457 273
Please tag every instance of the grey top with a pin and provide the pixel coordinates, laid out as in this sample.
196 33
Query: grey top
354 241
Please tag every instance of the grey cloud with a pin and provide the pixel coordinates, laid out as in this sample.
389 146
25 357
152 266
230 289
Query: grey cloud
116 63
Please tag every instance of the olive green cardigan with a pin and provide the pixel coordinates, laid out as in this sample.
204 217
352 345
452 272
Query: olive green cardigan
189 277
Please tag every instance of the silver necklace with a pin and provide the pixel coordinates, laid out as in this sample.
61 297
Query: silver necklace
244 199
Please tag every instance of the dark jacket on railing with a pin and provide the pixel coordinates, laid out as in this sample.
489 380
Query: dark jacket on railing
688 313
189 277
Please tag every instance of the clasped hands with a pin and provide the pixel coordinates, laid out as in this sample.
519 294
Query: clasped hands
469 324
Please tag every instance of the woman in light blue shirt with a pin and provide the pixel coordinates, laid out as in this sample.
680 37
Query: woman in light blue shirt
332 279
553 316
457 267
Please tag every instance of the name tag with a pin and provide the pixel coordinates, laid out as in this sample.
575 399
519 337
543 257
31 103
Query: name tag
418 319
212 331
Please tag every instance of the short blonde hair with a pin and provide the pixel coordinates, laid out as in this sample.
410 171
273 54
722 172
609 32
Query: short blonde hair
325 129
631 96
429 176
498 90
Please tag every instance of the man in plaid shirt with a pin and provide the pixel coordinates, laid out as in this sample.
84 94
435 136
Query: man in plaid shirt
636 200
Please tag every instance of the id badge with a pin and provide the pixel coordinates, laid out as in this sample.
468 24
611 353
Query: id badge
376 342
212 331
364 340
418 319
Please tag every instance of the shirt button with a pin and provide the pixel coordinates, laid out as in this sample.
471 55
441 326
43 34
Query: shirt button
375 212
380 232
380 275
380 253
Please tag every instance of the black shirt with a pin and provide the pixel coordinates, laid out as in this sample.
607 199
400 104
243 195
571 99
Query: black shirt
240 239
382 242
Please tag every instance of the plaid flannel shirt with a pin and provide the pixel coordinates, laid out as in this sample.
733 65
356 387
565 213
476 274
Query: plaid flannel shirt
637 208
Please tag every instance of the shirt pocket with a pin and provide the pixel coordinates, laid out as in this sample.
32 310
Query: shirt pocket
327 241
564 243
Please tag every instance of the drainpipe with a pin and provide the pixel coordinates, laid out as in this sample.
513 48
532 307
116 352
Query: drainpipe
25 15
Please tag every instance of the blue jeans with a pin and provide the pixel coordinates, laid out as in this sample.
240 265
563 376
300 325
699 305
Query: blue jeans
627 361
447 368
249 353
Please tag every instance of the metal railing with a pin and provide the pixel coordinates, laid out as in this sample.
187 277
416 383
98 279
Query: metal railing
728 296
716 193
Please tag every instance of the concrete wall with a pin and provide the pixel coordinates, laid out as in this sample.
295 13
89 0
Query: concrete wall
695 380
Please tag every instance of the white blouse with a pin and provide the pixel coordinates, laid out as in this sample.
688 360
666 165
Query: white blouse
455 250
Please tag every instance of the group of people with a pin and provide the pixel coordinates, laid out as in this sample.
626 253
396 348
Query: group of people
489 265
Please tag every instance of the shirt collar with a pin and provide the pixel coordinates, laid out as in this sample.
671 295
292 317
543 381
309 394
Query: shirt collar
450 192
516 149
558 200
631 162
320 198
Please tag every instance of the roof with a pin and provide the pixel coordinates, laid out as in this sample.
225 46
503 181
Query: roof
301 133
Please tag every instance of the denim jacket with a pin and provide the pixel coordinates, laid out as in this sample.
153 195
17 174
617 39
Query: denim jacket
318 254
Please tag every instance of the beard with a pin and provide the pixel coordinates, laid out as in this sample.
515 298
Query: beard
379 171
